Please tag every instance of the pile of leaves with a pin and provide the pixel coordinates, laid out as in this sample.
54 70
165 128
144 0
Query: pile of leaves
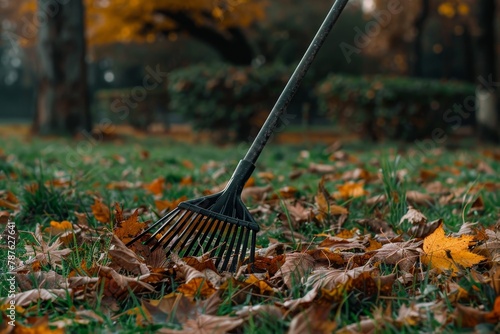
357 254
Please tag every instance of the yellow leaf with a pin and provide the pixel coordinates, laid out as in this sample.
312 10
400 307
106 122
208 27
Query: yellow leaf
445 253
447 9
350 189
198 286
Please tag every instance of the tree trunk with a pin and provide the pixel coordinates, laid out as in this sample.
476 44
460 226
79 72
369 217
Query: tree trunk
417 43
487 105
62 106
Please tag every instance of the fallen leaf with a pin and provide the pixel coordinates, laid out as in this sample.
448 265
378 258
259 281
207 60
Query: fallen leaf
295 267
424 229
206 324
350 190
59 227
197 287
33 296
126 258
156 186
468 317
313 320
162 205
127 229
101 211
321 168
445 253
39 325
255 193
414 217
403 254
417 198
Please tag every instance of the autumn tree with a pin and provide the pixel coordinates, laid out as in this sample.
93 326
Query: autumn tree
218 23
62 105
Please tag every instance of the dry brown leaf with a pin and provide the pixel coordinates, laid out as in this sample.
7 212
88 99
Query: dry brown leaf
321 168
101 211
417 198
32 296
313 320
206 324
423 230
43 252
4 217
414 217
295 268
120 286
403 254
331 279
378 226
266 176
297 212
125 258
377 199
469 317
323 204
265 311
255 193
365 326
356 174
448 253
325 255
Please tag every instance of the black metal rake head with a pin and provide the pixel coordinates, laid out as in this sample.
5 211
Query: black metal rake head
218 223
221 222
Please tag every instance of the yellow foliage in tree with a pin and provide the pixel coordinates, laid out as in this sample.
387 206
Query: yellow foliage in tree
142 21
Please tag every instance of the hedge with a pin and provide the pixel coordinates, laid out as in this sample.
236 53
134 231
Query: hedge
392 107
231 102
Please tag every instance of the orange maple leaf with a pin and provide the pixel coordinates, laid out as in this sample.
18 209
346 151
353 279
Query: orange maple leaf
156 186
100 211
445 253
127 229
163 204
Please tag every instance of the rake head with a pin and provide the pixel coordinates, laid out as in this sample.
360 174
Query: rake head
218 223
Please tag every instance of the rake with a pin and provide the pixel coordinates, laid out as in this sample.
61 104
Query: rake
221 222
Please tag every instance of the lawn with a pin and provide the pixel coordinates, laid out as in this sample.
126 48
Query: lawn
354 238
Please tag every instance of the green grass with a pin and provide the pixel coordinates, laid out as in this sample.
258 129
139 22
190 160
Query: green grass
91 167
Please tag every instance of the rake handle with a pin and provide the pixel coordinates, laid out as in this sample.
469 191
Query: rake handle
293 83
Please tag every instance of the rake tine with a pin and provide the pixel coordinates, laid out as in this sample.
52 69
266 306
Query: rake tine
170 233
240 247
192 228
227 257
205 228
161 220
182 228
222 229
252 247
224 244
219 225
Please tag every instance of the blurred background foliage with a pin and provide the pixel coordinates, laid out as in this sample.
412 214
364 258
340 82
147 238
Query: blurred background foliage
227 62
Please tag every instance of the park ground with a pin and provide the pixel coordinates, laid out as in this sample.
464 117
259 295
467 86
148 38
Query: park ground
351 236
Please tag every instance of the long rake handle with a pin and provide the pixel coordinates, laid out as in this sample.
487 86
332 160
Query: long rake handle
294 82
